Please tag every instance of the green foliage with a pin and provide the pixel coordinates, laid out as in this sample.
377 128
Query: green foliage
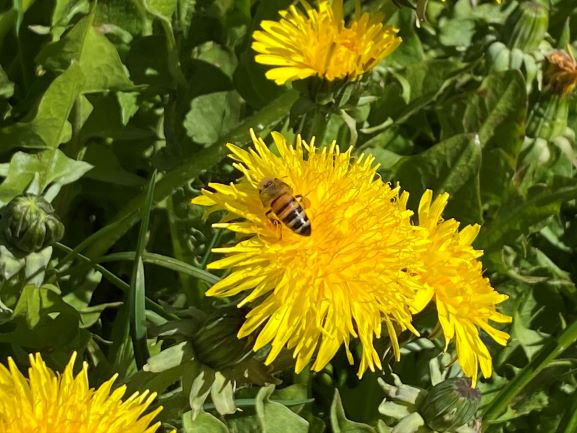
116 114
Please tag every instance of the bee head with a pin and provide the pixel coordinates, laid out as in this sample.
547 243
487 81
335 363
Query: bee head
266 184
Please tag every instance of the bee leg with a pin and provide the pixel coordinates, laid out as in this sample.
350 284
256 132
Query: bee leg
275 222
305 203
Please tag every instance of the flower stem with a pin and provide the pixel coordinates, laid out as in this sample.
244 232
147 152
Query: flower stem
548 354
568 423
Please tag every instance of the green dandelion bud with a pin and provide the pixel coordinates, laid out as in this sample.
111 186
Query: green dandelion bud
29 224
216 343
548 117
450 404
525 28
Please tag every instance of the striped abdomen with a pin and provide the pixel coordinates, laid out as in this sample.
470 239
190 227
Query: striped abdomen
291 213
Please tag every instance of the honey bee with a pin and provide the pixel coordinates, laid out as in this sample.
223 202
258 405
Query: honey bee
278 198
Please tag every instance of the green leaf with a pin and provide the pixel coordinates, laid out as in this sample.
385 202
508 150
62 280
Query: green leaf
212 116
122 15
96 56
107 167
518 214
6 87
251 83
497 113
166 262
164 8
52 167
201 380
136 296
427 79
222 394
339 421
64 11
446 167
190 168
274 417
41 320
49 126
203 423
411 51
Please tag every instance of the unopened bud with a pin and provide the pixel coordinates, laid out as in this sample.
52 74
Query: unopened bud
29 224
450 404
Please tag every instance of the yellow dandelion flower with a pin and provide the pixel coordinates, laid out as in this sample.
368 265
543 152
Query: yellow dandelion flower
312 294
465 299
47 402
307 42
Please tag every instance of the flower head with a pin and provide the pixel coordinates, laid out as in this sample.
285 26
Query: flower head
308 42
49 402
313 294
465 299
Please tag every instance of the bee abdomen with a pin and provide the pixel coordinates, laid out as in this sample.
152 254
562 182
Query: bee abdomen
292 214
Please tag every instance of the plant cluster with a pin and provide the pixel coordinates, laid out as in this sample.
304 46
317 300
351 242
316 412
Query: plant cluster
412 268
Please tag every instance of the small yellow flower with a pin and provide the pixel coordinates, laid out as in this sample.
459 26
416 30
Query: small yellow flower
313 294
47 402
465 299
307 42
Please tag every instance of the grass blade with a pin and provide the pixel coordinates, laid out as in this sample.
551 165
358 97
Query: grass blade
137 293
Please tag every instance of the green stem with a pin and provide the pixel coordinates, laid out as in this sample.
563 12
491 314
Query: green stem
547 355
568 423
116 281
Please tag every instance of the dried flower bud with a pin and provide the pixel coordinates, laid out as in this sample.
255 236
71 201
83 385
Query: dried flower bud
560 74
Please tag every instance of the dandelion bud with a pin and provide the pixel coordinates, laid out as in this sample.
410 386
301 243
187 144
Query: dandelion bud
450 404
29 224
216 343
526 26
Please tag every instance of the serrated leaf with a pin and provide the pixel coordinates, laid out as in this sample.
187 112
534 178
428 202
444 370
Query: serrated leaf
96 56
517 214
49 126
497 113
445 167
52 167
